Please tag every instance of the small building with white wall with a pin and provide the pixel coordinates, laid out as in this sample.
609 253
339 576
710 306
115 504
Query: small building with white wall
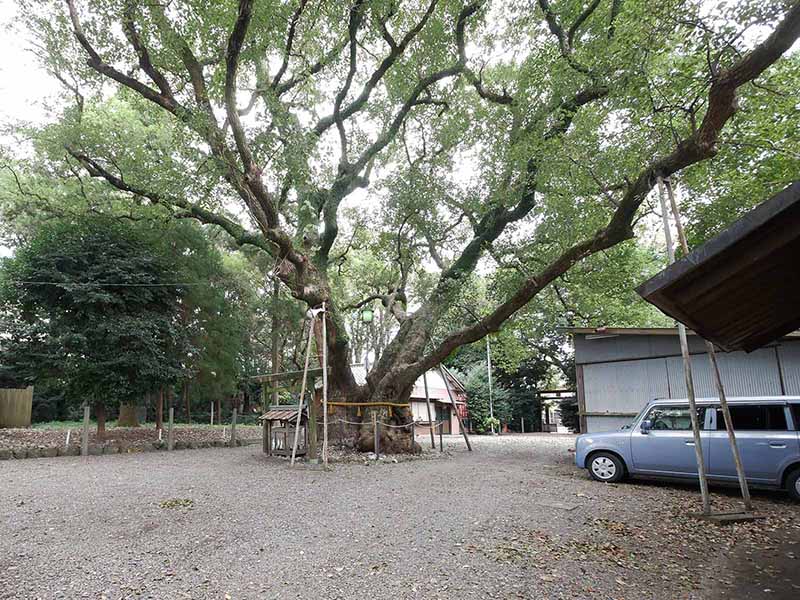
441 406
619 370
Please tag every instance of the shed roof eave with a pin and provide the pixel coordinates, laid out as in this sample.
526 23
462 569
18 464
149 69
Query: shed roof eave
613 331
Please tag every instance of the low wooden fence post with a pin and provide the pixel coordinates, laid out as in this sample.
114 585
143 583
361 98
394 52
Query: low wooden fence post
170 433
85 434
441 427
377 434
233 428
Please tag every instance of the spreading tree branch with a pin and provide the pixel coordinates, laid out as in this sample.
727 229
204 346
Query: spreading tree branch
696 148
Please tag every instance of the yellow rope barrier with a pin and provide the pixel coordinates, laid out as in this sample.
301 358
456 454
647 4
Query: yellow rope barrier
390 404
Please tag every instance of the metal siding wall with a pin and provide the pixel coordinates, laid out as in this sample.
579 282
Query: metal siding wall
624 386
598 424
790 364
627 386
629 347
754 374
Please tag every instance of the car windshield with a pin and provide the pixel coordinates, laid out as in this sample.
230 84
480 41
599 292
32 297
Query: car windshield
636 418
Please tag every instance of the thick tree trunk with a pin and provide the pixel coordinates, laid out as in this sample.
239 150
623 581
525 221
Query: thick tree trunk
100 414
218 410
275 357
160 409
127 416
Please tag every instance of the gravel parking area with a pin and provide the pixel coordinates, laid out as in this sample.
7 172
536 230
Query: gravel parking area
514 519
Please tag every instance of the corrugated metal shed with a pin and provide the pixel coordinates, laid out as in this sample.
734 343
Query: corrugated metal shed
619 371
741 289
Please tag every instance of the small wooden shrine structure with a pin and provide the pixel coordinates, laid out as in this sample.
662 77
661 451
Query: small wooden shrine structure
280 423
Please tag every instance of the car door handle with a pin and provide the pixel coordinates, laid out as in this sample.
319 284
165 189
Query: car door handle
777 445
689 443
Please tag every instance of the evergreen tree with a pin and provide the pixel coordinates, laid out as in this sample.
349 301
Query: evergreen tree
91 307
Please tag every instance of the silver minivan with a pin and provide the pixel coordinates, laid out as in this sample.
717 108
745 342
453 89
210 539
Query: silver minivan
659 443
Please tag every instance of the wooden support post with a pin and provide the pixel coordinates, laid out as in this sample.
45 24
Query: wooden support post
428 404
313 427
233 427
324 387
726 414
212 412
413 433
712 357
489 373
581 391
269 438
522 424
441 444
376 434
85 434
687 367
170 432
455 408
302 397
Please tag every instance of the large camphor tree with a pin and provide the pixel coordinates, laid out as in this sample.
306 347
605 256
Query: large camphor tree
469 130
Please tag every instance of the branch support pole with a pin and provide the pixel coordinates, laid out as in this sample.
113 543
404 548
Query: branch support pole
712 357
687 366
302 392
428 404
324 387
455 408
489 372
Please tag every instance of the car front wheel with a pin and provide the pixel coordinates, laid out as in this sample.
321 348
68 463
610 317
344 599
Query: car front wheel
793 484
606 467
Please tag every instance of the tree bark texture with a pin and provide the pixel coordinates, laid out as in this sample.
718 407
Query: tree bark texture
127 416
100 415
160 409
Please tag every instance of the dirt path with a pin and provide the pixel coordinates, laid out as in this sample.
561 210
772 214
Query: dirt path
514 519
769 572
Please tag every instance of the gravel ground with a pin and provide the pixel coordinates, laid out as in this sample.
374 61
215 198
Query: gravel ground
514 519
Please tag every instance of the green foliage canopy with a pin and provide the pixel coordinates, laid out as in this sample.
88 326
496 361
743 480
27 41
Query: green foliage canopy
92 307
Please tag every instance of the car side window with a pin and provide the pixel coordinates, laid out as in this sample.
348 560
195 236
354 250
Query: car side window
796 416
755 417
674 418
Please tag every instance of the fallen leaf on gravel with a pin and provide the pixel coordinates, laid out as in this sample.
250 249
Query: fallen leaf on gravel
177 503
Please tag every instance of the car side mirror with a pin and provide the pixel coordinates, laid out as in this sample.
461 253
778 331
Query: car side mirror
646 426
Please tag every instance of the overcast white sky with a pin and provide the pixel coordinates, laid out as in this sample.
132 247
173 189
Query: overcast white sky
23 83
